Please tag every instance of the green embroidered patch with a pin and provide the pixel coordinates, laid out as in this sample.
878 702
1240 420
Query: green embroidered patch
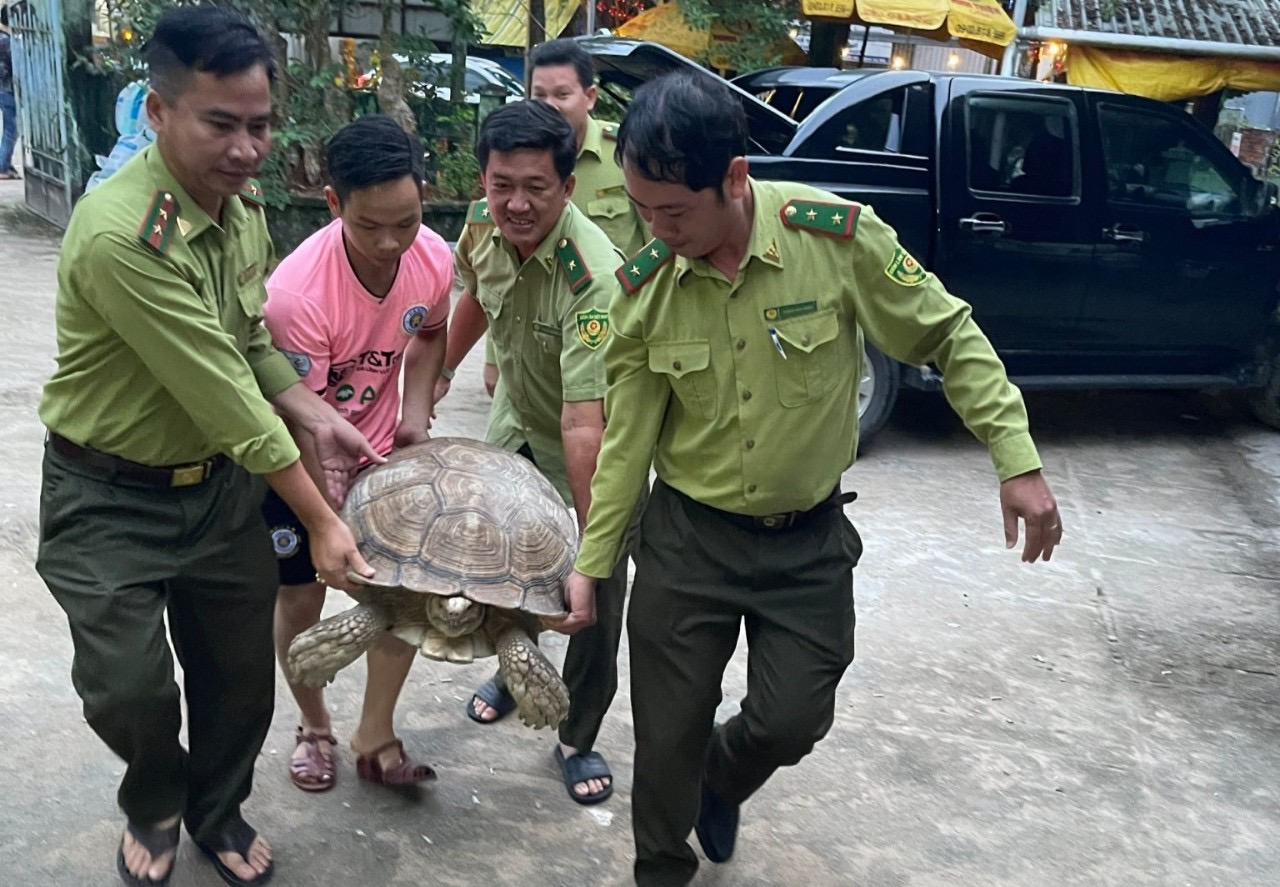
795 309
593 327
905 270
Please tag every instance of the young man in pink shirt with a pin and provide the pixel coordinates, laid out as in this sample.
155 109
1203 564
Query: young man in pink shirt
354 302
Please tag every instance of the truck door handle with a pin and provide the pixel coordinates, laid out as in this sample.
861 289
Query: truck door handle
983 223
1123 234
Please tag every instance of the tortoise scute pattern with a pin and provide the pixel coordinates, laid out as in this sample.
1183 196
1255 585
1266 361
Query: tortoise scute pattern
455 518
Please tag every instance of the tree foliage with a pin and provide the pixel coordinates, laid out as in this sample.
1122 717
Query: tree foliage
762 27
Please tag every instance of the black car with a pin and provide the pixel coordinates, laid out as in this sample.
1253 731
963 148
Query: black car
1104 240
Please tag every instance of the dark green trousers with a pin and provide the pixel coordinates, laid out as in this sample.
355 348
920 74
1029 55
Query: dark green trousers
699 578
591 662
117 558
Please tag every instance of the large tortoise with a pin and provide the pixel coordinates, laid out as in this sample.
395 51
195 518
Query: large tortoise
471 545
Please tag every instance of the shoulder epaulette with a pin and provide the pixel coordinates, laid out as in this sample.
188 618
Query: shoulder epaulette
839 220
575 267
638 269
159 223
610 131
479 213
251 194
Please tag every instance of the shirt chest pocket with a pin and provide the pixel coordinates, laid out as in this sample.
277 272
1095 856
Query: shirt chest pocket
687 368
610 207
814 357
550 340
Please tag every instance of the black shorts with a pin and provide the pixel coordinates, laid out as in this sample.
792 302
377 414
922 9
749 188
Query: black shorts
289 540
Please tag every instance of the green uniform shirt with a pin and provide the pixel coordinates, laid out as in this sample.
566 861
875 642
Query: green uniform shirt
602 195
548 322
699 386
600 191
162 355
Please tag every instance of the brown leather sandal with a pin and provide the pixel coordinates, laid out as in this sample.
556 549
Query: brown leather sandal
314 772
406 772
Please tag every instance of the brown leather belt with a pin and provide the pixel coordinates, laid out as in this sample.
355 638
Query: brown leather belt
773 523
188 475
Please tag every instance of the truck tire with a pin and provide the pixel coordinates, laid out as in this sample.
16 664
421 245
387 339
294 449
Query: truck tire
877 392
1265 401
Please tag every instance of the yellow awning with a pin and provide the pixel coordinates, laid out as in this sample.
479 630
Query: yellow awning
983 21
1167 78
665 25
507 21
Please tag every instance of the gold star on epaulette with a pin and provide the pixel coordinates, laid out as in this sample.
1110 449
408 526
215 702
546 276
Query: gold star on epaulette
643 265
156 230
252 194
575 267
838 220
479 214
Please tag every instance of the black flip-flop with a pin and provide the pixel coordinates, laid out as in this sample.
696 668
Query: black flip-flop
239 837
157 842
579 768
493 696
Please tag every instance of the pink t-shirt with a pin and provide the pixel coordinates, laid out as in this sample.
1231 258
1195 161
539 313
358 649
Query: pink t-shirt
347 344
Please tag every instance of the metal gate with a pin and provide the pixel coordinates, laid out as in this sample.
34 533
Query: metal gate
47 125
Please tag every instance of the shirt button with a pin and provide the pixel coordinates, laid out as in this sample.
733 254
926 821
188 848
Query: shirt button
675 365
517 318
751 445
751 488
742 343
746 395
804 341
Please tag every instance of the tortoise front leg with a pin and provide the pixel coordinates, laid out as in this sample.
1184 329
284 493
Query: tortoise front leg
542 699
319 653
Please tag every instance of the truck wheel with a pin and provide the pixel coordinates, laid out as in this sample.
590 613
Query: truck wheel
1265 401
877 392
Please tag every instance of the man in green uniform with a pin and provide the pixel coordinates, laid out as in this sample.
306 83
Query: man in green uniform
539 275
564 78
160 421
733 364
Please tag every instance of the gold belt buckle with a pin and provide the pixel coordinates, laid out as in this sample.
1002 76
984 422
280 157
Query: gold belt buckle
189 475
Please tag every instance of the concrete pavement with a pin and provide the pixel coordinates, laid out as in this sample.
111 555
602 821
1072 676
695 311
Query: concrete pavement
1110 718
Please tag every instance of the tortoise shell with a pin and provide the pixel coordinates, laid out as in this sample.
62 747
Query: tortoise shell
455 516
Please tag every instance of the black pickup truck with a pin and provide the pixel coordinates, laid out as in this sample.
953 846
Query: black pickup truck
1104 240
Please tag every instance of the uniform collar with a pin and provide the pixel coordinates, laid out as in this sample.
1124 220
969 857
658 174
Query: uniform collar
192 219
593 139
546 250
763 245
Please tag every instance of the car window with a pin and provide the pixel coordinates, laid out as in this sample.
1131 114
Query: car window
507 79
796 102
875 124
1024 146
1161 161
473 80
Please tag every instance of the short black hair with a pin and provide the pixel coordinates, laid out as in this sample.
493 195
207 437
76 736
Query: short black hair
215 40
683 128
529 125
564 51
371 150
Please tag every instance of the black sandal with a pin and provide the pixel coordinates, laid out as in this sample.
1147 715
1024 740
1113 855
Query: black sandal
157 842
238 837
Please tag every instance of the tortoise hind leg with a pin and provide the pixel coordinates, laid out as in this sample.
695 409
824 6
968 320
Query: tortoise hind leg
319 653
542 700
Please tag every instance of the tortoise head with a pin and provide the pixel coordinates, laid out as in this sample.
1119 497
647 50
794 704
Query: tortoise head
455 616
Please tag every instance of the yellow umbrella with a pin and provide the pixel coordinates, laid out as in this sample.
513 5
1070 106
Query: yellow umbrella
664 24
506 22
983 21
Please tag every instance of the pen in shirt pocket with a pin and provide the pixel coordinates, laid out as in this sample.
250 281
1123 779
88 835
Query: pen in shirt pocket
777 342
